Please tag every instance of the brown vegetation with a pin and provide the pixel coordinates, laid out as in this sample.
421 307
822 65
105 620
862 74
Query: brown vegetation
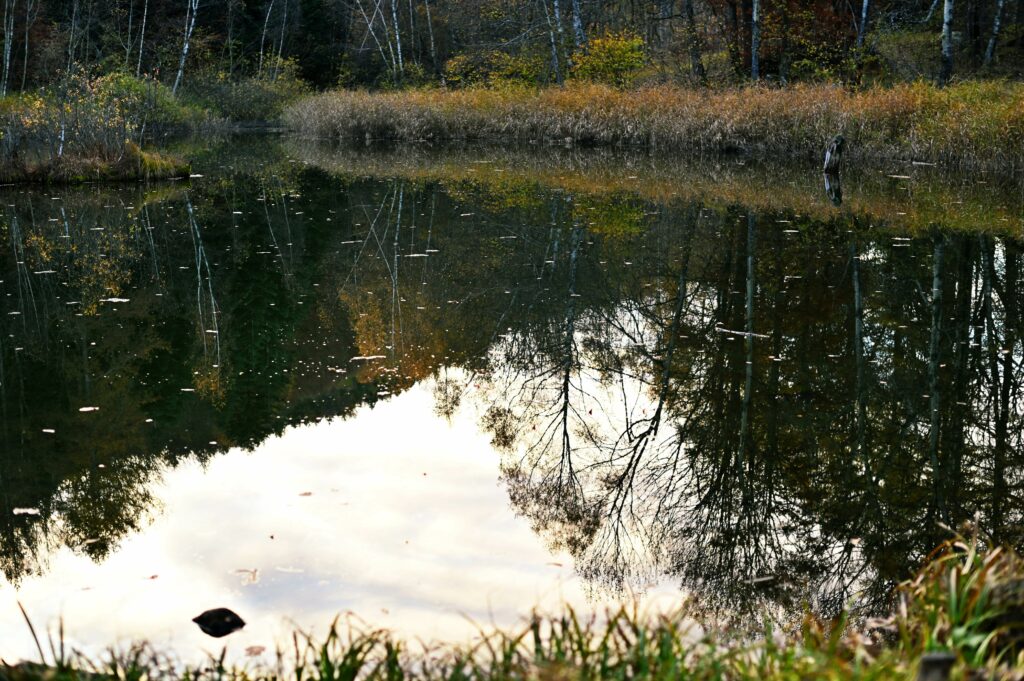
970 126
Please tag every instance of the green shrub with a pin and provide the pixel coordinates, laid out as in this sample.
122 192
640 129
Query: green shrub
494 68
147 99
613 59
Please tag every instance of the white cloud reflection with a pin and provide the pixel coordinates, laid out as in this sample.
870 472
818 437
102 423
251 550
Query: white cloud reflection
406 526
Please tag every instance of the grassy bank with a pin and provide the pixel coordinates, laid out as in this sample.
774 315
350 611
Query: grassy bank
968 126
90 129
965 604
132 164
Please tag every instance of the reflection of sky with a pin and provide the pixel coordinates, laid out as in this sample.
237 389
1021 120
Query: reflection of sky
406 526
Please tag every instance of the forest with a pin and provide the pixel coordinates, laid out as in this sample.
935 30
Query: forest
392 43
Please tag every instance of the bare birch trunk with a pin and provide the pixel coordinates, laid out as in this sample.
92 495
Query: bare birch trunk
142 38
398 37
30 19
946 70
190 26
579 37
263 38
863 29
280 44
9 7
430 32
997 24
555 66
755 41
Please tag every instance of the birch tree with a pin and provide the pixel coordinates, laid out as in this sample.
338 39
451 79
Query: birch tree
190 25
263 37
398 37
863 28
755 41
946 69
997 23
9 7
142 37
579 36
31 14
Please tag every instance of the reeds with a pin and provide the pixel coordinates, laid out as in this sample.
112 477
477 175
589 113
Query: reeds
966 602
971 125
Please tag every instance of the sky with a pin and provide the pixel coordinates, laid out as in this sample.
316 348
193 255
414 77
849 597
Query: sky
395 515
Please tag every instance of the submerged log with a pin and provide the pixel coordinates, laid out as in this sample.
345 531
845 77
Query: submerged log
834 153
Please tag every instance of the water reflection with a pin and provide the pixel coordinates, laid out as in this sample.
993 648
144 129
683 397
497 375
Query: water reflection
760 407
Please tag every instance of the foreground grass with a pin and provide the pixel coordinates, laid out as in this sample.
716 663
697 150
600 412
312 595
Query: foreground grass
971 125
966 605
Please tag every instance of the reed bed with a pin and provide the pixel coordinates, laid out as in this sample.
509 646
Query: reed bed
965 607
972 125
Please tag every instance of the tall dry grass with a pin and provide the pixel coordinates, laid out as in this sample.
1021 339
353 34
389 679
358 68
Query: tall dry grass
970 125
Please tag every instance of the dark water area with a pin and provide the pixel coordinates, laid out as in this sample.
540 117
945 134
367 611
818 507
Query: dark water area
760 407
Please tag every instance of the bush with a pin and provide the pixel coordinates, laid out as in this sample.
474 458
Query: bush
260 98
614 59
494 68
147 100
85 128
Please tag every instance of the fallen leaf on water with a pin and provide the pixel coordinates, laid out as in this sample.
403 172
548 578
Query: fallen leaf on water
306 494
253 651
249 576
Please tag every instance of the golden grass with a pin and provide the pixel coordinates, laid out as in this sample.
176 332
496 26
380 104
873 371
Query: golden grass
970 125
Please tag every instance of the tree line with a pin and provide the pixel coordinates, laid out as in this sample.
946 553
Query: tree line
395 42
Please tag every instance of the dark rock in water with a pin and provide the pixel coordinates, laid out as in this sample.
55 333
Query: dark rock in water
219 622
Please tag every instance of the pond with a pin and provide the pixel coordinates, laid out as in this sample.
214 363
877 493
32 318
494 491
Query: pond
433 391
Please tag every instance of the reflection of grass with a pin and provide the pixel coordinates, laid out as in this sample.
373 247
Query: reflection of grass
971 125
915 201
966 605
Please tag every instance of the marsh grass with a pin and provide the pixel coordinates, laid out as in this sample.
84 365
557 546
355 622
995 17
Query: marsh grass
972 125
966 601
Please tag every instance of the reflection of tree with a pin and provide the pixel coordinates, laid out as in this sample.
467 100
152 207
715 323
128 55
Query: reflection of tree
770 486
762 408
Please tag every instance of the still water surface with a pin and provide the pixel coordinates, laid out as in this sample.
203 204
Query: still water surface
439 392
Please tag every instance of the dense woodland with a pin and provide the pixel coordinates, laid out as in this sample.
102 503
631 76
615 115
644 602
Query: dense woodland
406 42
